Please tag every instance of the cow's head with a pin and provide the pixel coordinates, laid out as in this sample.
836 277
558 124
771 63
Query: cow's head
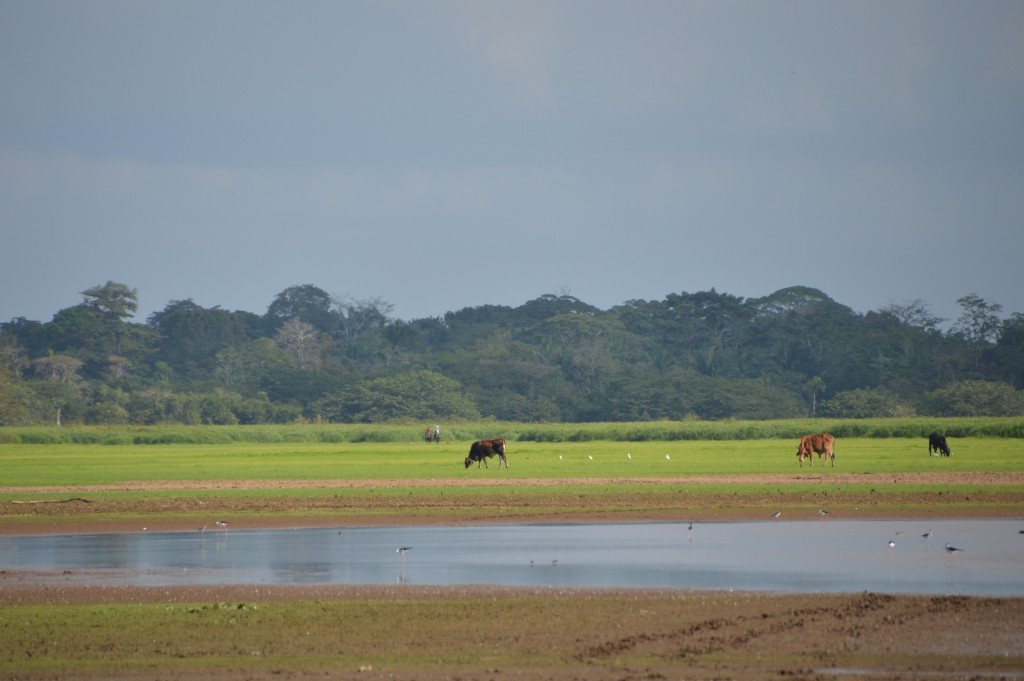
468 461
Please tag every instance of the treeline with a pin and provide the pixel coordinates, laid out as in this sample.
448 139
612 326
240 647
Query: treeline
316 358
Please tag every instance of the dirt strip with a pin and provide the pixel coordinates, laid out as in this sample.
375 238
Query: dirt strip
941 478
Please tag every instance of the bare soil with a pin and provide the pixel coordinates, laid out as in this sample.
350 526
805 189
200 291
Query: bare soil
503 633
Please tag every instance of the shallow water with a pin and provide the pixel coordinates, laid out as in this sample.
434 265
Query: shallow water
791 556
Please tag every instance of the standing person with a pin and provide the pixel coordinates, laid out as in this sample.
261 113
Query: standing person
437 433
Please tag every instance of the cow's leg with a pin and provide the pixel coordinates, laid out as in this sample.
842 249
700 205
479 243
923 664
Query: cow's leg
503 459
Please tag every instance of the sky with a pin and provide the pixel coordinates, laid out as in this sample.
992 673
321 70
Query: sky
443 155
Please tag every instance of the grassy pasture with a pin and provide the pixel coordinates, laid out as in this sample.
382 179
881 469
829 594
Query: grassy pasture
82 465
398 483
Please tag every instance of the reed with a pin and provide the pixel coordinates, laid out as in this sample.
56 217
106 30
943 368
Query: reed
646 431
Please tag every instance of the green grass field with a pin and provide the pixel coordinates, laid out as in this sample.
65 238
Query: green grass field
75 465
601 478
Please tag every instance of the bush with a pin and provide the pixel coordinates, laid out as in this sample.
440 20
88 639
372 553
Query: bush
974 398
865 404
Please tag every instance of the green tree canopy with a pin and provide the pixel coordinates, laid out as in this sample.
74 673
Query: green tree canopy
307 302
419 395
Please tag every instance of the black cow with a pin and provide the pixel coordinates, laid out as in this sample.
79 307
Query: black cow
937 443
484 449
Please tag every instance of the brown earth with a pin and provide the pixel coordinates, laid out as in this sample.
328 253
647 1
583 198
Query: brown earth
503 633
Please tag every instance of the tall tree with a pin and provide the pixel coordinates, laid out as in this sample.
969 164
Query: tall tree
193 335
117 302
400 335
356 317
301 341
307 302
1005 361
815 386
979 322
914 313
59 383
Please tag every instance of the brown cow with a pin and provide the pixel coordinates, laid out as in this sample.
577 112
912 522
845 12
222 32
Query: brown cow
820 444
484 449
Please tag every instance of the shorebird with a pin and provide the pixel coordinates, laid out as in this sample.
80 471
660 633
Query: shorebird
201 529
891 543
402 550
776 515
822 512
952 549
223 524
927 535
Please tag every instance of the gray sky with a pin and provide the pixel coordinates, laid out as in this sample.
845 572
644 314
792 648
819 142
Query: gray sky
450 154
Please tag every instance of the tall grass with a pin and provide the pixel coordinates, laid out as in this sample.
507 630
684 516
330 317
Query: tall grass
652 431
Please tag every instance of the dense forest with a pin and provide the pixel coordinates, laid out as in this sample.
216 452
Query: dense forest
314 357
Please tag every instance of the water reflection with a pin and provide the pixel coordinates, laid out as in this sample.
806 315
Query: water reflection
813 556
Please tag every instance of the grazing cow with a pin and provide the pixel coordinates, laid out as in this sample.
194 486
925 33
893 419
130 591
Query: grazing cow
484 449
937 443
820 444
